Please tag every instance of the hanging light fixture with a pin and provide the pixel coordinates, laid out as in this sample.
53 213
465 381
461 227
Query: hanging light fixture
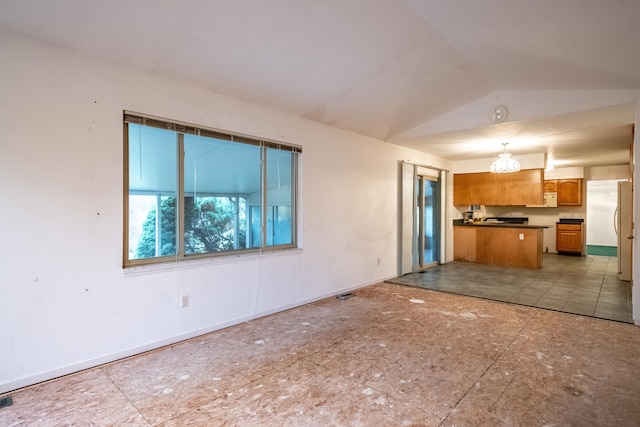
504 163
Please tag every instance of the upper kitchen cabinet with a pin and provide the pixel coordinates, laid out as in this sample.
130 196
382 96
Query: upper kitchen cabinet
466 188
550 185
499 189
570 192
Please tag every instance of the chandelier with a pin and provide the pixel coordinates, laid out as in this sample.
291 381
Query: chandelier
504 163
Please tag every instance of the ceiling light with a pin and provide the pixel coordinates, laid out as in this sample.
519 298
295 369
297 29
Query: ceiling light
504 163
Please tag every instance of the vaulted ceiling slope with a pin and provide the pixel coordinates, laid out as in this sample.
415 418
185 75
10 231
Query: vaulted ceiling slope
390 69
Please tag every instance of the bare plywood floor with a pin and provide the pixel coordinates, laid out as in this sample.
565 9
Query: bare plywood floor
391 355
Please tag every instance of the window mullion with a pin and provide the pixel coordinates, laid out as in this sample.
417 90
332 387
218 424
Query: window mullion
294 199
263 197
126 195
180 212
236 222
159 224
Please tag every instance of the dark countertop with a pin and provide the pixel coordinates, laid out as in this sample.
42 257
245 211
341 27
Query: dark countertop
498 225
570 221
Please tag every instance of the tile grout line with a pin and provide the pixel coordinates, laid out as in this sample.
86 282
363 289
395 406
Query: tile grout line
584 272
588 266
604 277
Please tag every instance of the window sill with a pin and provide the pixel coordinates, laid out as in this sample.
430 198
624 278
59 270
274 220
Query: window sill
178 264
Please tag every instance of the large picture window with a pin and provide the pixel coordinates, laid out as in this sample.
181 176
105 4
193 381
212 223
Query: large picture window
194 192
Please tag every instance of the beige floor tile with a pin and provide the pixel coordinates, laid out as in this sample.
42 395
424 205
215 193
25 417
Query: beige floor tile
562 284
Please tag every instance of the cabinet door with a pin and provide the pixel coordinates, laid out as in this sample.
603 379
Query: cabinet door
569 238
550 185
485 184
497 189
463 190
464 243
570 192
519 188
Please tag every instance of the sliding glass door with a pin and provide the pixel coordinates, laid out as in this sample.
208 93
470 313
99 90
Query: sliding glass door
421 240
428 221
428 227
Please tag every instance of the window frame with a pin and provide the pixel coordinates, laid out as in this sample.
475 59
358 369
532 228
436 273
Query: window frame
181 129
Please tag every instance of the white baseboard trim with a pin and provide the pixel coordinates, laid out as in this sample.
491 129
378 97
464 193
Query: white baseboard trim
30 380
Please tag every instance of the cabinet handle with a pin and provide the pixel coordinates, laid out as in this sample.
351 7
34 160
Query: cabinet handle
629 236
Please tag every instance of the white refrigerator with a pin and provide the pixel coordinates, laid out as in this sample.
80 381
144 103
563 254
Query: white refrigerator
624 229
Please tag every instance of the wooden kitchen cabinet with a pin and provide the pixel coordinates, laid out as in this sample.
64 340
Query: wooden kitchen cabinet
465 189
520 188
499 189
464 244
550 185
569 238
570 192
499 245
515 247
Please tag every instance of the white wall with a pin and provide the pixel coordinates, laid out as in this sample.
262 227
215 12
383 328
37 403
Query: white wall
527 161
66 302
617 172
564 173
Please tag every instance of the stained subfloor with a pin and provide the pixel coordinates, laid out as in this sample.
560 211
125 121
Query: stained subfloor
587 285
392 355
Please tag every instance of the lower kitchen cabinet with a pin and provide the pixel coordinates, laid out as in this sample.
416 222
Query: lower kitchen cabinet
499 245
464 244
569 238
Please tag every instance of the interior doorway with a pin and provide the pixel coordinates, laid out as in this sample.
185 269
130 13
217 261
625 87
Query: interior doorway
602 204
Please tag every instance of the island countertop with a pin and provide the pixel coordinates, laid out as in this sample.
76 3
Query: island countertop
497 224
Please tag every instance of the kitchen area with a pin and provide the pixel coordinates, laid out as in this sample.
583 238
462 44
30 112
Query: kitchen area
530 212
528 244
525 237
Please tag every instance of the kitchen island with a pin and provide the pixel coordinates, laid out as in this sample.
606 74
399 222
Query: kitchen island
499 243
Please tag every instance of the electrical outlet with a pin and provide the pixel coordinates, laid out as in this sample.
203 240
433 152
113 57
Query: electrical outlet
184 301
521 236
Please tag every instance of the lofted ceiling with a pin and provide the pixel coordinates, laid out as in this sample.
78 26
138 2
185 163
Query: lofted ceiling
419 73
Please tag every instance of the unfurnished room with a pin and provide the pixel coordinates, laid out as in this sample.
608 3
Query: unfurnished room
337 213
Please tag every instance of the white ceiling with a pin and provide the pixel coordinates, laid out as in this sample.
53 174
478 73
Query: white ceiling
420 73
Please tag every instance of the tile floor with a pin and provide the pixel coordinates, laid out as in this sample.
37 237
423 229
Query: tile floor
586 285
392 355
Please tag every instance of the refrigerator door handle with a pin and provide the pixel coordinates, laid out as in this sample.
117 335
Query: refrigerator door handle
615 220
